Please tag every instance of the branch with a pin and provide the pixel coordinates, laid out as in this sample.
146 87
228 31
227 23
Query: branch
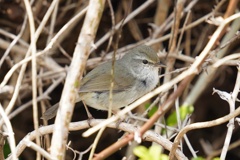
81 125
75 72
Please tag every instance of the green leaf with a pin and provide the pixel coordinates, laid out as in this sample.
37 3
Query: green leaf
198 158
184 111
141 152
152 111
155 152
6 150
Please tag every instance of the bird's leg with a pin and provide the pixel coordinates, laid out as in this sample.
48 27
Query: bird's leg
88 114
120 120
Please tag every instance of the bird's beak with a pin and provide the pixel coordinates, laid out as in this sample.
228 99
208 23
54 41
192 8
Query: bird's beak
159 65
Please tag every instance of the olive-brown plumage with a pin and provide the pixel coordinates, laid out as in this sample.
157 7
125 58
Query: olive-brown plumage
135 74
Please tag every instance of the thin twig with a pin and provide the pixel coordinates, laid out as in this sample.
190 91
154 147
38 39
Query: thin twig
16 39
207 124
37 148
10 132
99 134
51 44
231 103
204 79
33 49
128 18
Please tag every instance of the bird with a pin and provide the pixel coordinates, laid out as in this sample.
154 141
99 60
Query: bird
135 74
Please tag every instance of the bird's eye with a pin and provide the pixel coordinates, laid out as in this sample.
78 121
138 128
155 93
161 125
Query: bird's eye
145 61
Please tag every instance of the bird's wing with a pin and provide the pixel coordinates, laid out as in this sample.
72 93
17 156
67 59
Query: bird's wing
102 83
99 79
